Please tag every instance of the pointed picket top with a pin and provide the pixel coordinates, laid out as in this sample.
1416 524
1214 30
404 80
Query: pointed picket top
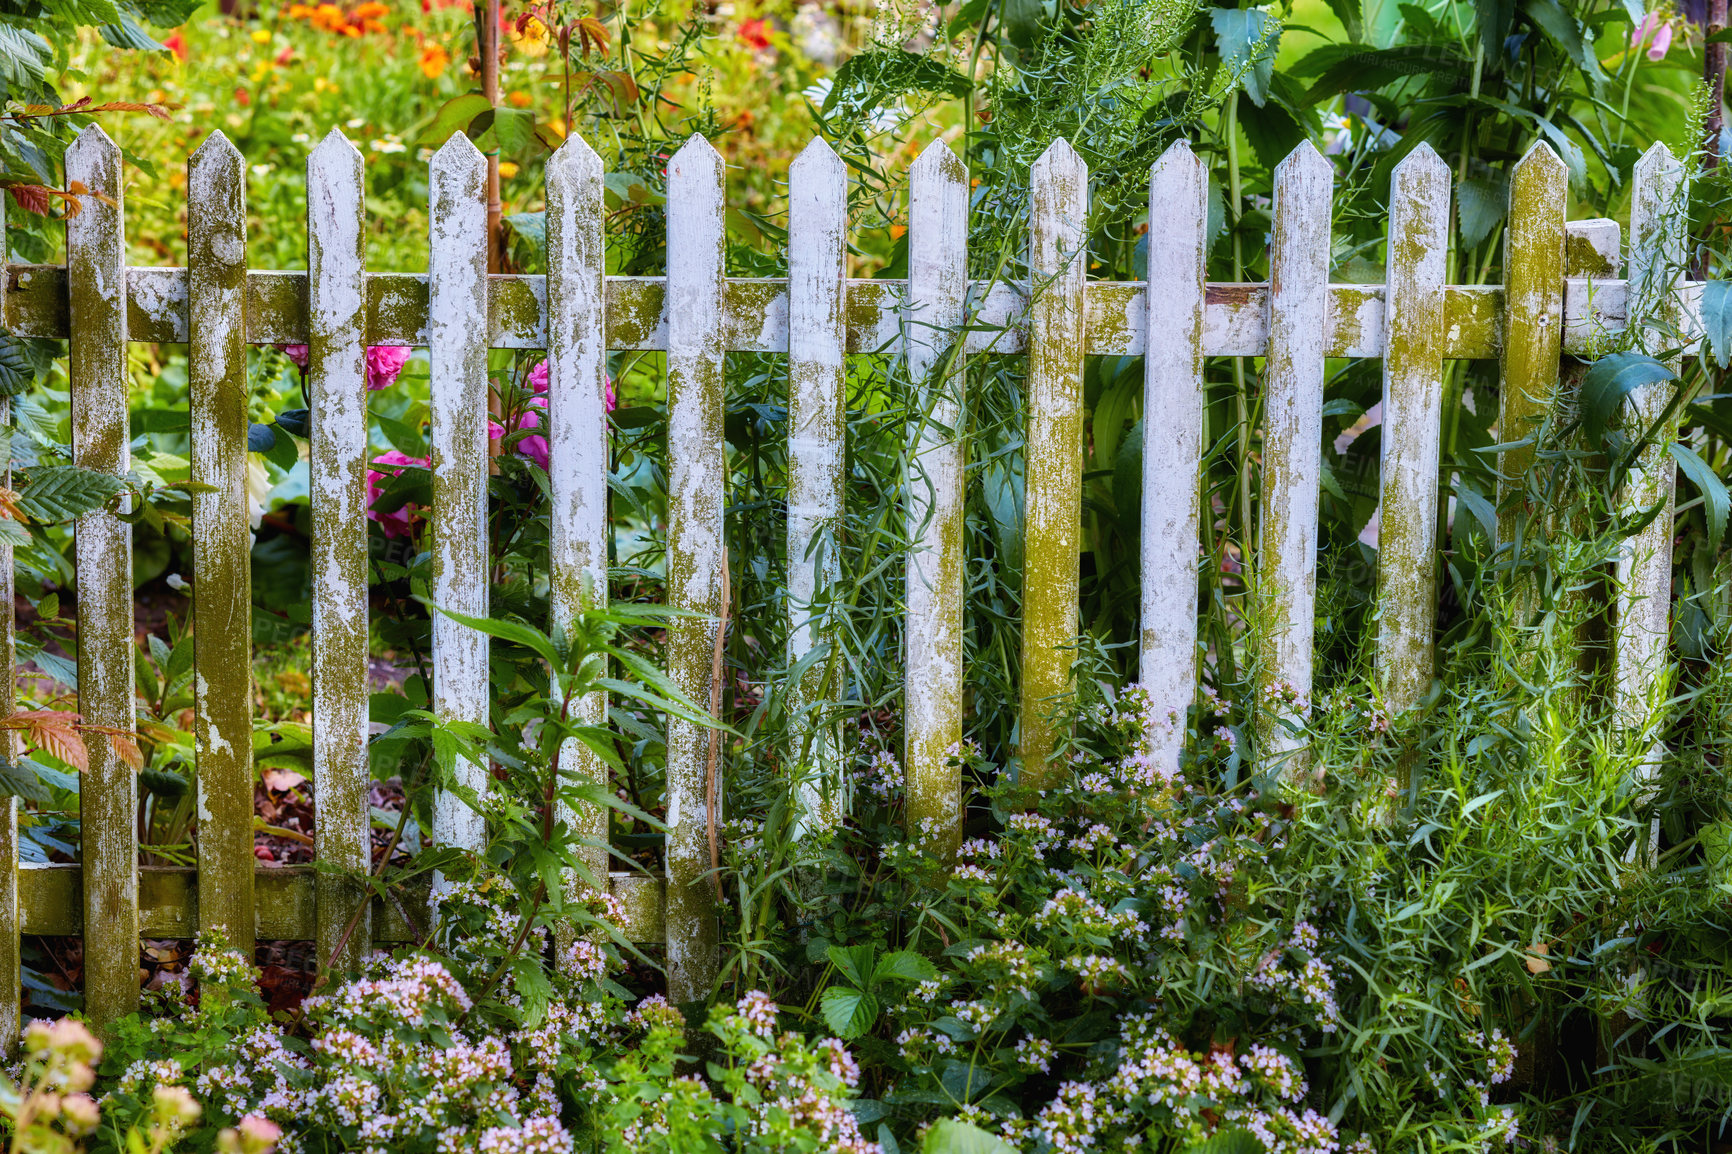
937 161
1175 164
1657 161
1303 161
1540 162
695 157
1059 156
92 145
457 156
214 149
573 160
1422 162
819 157
334 149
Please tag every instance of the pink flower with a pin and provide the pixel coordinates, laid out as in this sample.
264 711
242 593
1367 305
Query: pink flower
538 383
400 522
384 362
1651 28
533 446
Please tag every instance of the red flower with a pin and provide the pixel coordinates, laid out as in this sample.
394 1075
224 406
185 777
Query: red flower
754 33
177 45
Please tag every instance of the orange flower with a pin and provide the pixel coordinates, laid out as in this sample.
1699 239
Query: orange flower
521 99
177 45
434 58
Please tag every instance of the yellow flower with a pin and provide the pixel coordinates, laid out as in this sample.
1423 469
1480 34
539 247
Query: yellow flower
531 36
261 35
507 169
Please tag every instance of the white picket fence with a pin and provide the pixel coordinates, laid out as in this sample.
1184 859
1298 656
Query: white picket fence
818 317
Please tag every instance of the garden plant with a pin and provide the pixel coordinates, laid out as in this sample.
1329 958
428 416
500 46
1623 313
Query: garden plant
1499 919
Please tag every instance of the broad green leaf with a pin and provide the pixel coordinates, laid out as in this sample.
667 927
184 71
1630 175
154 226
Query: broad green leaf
512 631
1715 500
454 116
1608 381
56 493
24 58
17 366
17 779
950 1136
849 1012
855 962
904 965
1494 18
1565 32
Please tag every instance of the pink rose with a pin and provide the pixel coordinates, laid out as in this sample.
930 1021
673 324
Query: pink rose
534 446
384 362
538 383
401 522
296 353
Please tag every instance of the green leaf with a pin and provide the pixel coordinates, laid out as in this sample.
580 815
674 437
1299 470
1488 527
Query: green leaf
24 58
949 1136
57 493
125 33
17 366
904 965
1233 1141
1247 38
454 116
530 230
512 631
1608 381
17 779
1361 68
855 962
1481 203
1565 32
1494 19
848 1012
514 128
1715 500
1717 320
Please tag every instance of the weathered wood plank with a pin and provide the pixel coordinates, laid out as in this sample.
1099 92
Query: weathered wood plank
1052 470
284 902
1286 558
221 537
1173 444
108 802
457 365
578 433
933 360
1236 320
337 376
1658 223
1533 321
1407 558
697 479
817 423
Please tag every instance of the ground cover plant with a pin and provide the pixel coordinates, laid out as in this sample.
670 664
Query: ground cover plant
1494 921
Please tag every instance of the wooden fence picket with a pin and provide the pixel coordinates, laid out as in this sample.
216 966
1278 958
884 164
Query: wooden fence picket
216 262
457 364
932 357
577 434
697 552
337 381
817 424
1053 459
1658 225
1178 240
1286 557
1412 426
1533 343
108 797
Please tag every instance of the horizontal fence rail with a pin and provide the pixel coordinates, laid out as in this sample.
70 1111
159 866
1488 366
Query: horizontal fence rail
1562 296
